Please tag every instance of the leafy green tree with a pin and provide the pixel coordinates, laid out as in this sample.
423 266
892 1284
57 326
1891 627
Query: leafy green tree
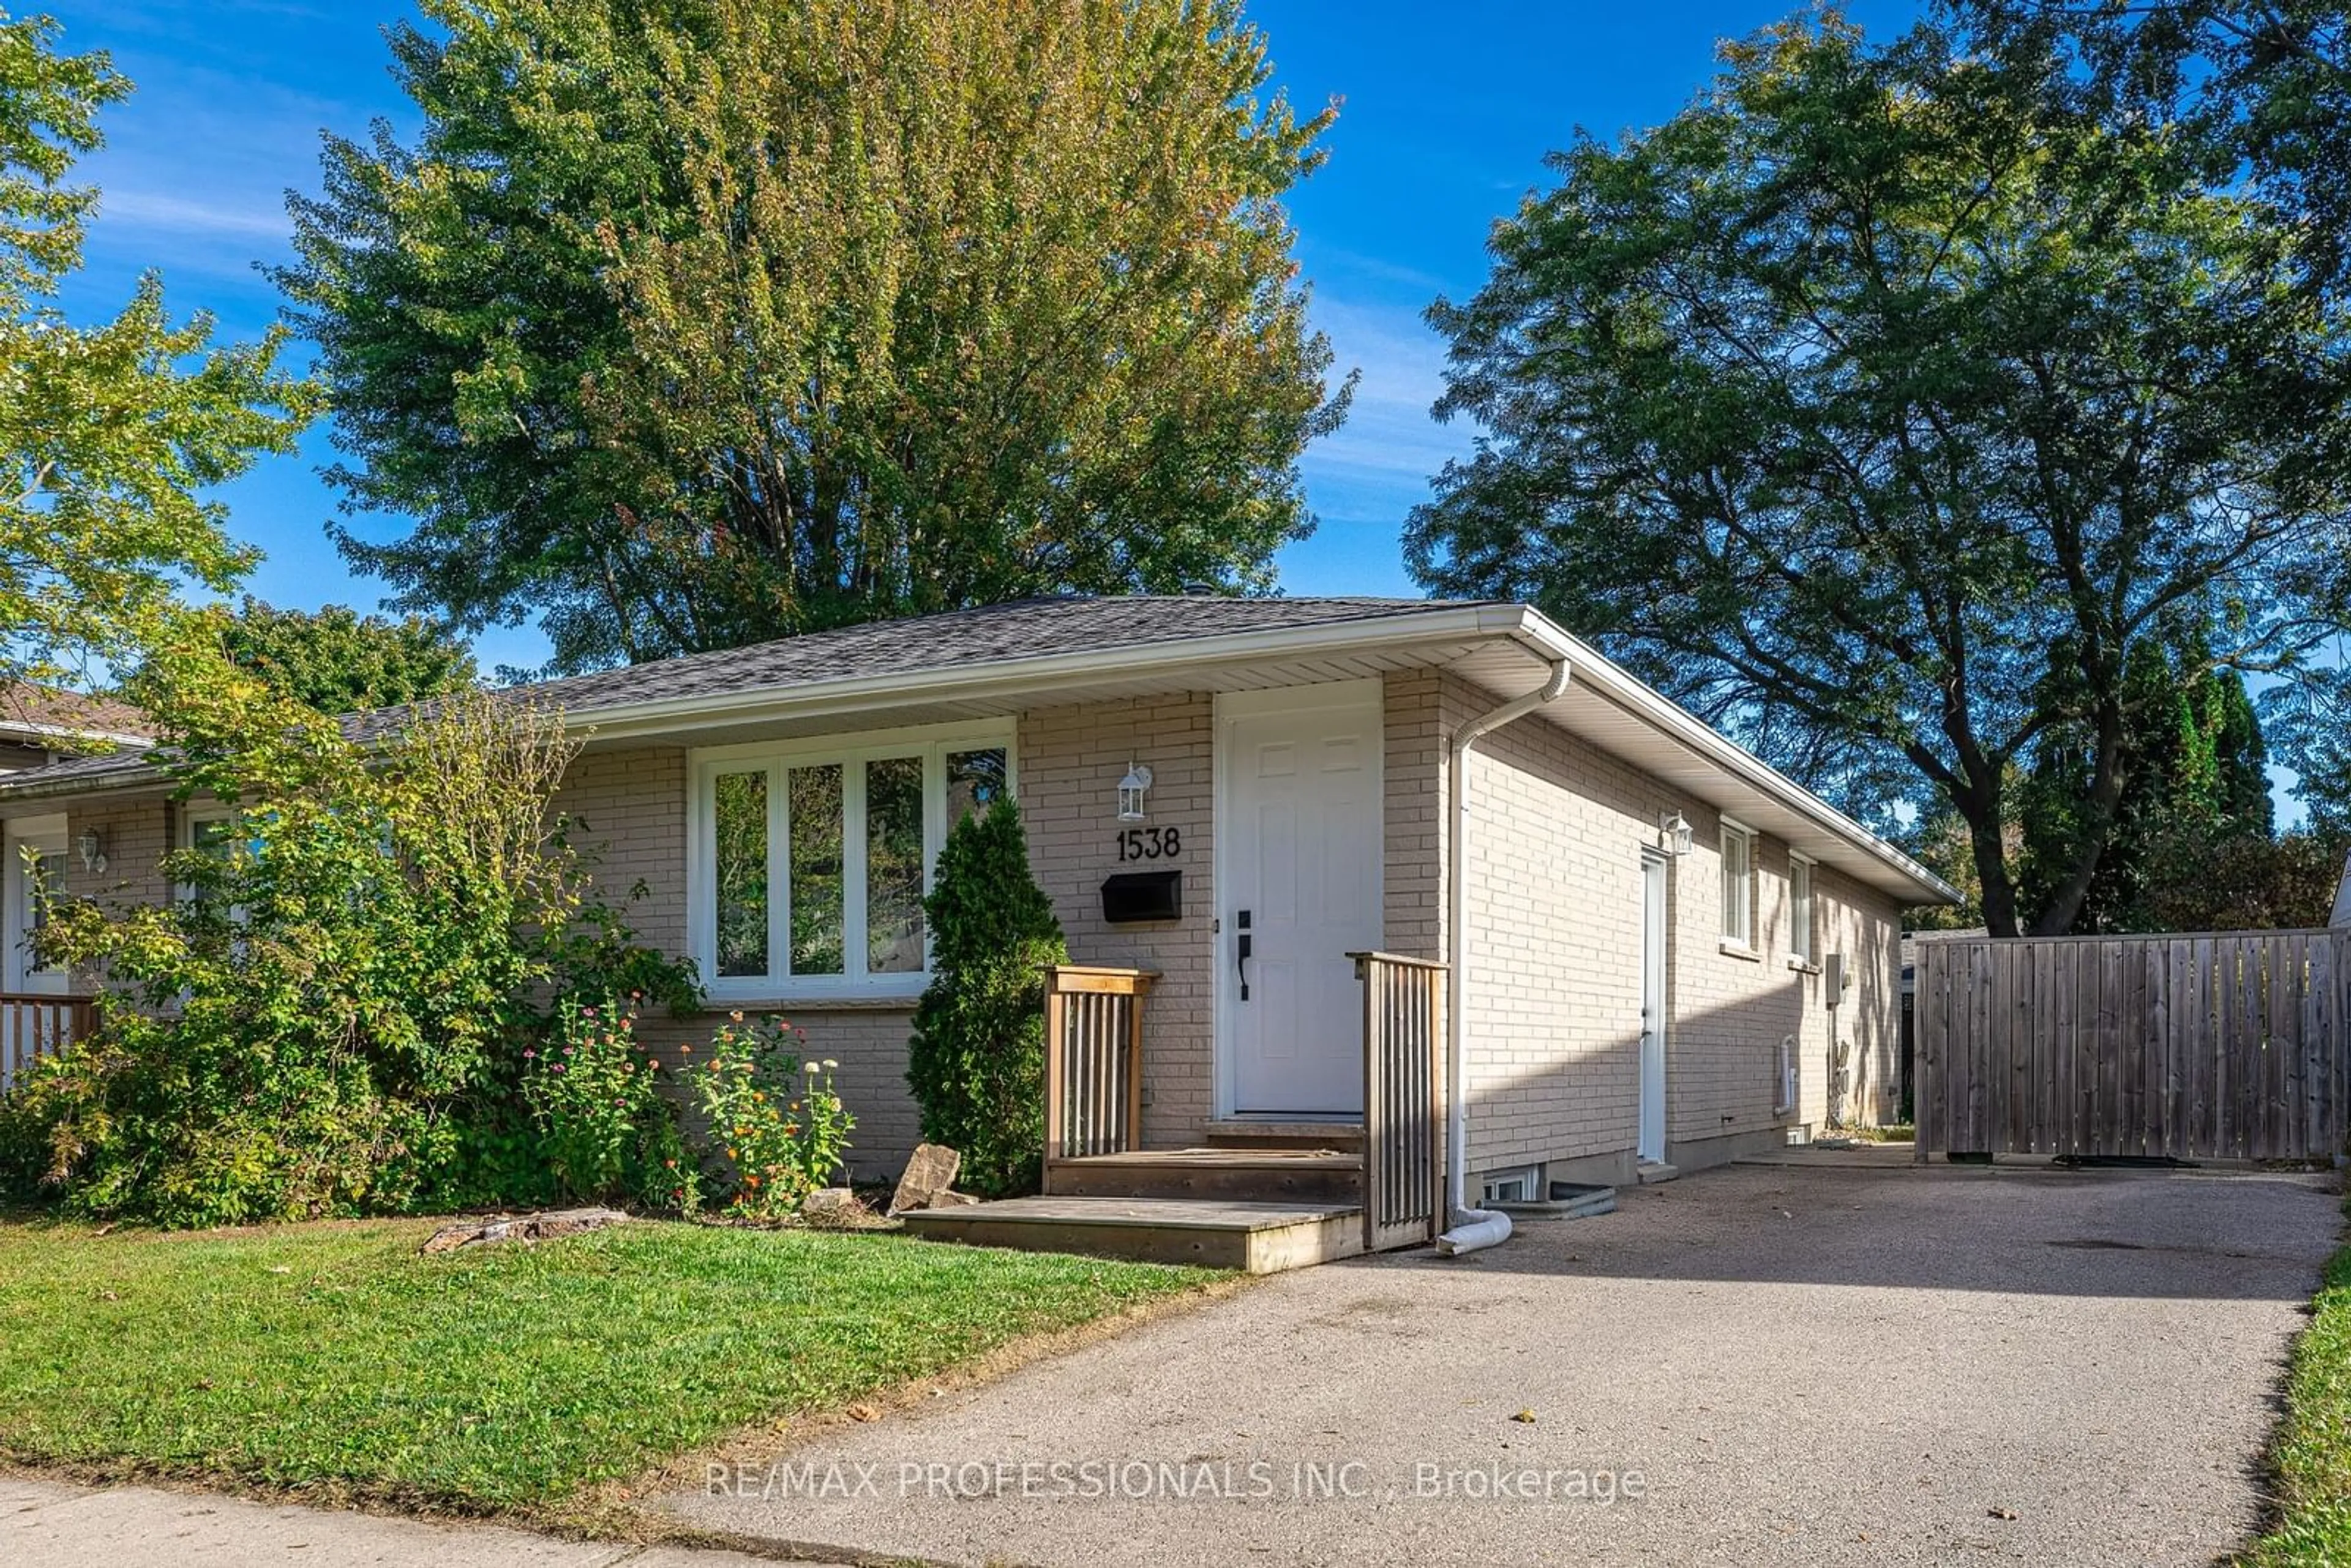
111 433
687 323
2195 772
976 1061
2266 83
1836 402
337 660
335 1020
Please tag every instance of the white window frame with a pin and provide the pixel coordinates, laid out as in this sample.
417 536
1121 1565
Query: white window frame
192 815
931 743
1741 902
1524 1185
1803 934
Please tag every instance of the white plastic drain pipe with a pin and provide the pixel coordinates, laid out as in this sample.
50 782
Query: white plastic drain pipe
1468 1229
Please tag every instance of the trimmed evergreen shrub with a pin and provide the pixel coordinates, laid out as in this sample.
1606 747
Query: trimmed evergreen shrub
976 1063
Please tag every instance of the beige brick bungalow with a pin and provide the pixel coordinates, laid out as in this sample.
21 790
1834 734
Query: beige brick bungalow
1658 949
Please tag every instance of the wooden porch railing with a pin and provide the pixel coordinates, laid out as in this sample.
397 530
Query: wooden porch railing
1093 1061
1403 1093
36 1026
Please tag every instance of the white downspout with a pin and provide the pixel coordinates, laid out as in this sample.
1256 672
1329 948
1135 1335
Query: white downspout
1470 1229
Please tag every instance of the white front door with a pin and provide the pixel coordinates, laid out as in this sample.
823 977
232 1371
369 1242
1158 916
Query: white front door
1299 846
1650 1139
35 851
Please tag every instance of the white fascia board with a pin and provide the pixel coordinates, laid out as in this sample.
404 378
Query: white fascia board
1547 640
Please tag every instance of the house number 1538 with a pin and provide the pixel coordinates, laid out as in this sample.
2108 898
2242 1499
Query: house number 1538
1150 843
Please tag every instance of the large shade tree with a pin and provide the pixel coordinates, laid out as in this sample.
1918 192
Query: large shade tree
2267 83
1881 405
113 434
333 659
686 323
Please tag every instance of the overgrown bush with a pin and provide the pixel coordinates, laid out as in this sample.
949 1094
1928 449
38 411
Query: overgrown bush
604 1130
976 1063
332 1019
778 1122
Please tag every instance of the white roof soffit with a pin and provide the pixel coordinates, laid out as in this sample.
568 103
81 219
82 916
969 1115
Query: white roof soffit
1669 742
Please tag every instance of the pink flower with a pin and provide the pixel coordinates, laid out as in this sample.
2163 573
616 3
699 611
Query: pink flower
528 1053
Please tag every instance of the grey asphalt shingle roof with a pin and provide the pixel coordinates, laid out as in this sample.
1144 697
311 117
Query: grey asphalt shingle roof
1026 629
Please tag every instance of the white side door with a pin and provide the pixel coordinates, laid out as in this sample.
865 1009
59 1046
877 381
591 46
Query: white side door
1299 848
1650 1133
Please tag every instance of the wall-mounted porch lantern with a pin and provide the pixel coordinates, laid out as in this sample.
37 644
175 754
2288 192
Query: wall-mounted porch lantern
92 845
1131 791
1675 828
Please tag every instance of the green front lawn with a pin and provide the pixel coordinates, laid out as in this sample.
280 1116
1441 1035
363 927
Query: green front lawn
334 1358
2312 1453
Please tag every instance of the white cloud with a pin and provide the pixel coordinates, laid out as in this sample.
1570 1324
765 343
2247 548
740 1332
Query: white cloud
1381 460
178 214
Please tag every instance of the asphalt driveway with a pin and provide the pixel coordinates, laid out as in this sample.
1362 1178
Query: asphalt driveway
1833 1361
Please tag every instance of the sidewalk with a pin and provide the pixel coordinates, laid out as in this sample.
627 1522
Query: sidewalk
49 1524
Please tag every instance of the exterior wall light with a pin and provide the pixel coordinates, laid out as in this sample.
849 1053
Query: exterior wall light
1675 828
92 845
1131 791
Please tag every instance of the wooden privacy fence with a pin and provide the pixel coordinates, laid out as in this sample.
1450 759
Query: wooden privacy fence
1403 1053
2226 1046
1093 1061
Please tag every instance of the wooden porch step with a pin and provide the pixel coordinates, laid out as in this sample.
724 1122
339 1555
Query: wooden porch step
1258 1238
1237 1175
1347 1137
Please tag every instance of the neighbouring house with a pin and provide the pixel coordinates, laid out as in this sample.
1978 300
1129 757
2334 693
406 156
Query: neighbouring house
39 726
1639 946
2342 913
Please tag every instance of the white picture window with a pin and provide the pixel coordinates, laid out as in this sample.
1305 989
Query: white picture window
810 864
1802 945
1738 883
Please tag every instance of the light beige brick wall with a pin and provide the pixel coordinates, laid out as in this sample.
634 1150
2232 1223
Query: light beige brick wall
626 813
1414 780
1069 761
1554 988
138 831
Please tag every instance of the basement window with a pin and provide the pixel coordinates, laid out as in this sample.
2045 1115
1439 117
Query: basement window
1524 1186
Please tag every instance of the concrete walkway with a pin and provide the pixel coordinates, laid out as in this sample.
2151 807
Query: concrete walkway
48 1524
1853 1360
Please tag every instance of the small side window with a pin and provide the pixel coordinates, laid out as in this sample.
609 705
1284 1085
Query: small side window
1738 885
1802 945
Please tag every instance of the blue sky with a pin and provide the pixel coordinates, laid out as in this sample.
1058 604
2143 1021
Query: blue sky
1446 117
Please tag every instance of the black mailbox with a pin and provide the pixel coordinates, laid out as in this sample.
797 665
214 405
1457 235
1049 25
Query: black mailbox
1143 896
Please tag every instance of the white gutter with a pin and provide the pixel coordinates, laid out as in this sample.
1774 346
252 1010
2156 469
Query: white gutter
1468 1230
